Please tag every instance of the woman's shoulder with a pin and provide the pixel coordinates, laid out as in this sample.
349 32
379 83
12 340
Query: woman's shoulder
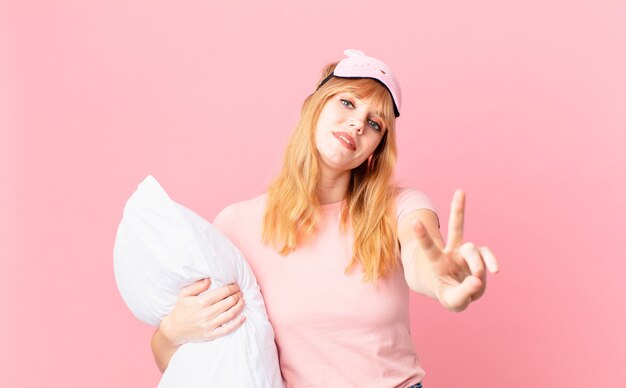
409 199
249 208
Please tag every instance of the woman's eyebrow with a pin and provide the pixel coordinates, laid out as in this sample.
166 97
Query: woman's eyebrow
377 115
352 94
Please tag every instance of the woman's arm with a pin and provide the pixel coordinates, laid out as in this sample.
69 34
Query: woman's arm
453 273
412 254
197 318
162 349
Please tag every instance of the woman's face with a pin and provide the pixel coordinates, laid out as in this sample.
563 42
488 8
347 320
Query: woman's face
348 131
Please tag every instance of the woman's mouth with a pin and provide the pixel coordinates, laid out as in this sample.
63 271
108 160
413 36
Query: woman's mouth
345 139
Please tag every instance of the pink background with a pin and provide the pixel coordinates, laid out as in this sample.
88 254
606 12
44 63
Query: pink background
521 103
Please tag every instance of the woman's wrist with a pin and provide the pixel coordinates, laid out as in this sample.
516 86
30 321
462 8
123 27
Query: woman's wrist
166 334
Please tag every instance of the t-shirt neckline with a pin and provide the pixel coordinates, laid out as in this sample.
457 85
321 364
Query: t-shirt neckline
333 205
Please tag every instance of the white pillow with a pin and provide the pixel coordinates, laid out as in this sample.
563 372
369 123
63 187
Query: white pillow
161 247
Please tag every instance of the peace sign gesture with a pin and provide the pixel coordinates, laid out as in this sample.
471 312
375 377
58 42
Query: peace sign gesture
458 275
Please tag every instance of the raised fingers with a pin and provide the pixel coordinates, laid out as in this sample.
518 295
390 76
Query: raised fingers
474 261
455 224
490 259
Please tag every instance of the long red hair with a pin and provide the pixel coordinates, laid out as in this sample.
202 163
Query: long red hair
293 207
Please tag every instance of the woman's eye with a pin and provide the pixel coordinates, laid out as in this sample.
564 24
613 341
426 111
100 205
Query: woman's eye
374 125
347 103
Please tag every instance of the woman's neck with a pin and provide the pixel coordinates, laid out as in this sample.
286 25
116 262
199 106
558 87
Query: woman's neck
332 187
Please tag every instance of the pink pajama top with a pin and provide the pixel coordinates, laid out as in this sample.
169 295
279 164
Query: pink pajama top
332 329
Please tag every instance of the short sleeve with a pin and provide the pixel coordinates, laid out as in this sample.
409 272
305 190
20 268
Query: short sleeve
225 221
409 199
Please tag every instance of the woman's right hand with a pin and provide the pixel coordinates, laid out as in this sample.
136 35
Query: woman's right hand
197 318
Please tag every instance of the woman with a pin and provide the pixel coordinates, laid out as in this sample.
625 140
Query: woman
336 245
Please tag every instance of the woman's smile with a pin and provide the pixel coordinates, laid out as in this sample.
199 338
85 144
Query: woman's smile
345 139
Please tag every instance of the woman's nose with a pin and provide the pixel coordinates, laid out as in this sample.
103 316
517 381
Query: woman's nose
357 125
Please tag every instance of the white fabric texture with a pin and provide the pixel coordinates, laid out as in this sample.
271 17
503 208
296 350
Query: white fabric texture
161 247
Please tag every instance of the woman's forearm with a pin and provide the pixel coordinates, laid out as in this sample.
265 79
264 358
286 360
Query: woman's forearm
162 349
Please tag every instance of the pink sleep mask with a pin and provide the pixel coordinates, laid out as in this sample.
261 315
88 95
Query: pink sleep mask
358 65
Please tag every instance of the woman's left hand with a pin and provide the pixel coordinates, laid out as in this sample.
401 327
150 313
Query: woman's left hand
458 268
